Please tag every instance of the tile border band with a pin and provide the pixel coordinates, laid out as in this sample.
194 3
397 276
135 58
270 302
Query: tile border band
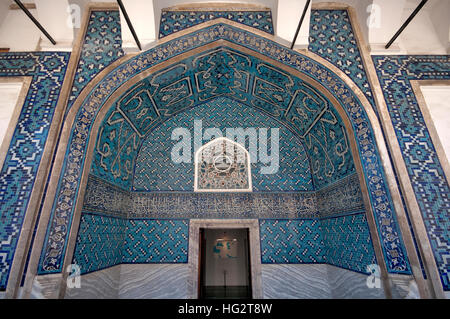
54 136
386 125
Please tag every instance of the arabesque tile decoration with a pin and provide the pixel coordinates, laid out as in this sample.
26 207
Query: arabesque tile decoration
333 38
174 21
393 248
248 81
21 164
424 168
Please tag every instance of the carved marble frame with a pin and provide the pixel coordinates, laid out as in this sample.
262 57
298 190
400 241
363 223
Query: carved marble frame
254 246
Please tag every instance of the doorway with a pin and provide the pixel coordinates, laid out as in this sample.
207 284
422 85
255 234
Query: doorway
224 264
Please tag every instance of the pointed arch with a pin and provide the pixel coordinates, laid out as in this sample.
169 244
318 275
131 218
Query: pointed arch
62 206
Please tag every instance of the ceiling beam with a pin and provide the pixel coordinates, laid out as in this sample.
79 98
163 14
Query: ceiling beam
130 26
305 9
36 22
405 24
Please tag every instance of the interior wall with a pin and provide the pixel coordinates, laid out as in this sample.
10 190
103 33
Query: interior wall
28 33
318 281
332 182
9 95
436 98
421 35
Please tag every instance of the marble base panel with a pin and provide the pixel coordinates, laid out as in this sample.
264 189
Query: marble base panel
279 281
315 281
148 281
132 281
346 284
102 284
295 281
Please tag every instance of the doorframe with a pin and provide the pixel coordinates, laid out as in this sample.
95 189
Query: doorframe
254 251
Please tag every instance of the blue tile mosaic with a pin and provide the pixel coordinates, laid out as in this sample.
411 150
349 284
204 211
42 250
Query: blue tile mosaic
106 241
156 171
291 241
342 241
100 242
224 205
340 198
106 198
331 36
102 45
347 242
18 173
390 238
214 74
425 171
174 21
156 241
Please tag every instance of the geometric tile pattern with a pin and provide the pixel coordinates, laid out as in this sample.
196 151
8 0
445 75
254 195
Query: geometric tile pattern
341 241
18 173
155 170
174 21
102 45
291 241
156 241
105 241
99 242
62 212
347 242
424 169
331 36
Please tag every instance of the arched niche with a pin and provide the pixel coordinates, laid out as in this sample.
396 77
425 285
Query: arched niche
74 157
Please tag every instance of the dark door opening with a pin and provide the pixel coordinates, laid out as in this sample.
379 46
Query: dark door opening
224 264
